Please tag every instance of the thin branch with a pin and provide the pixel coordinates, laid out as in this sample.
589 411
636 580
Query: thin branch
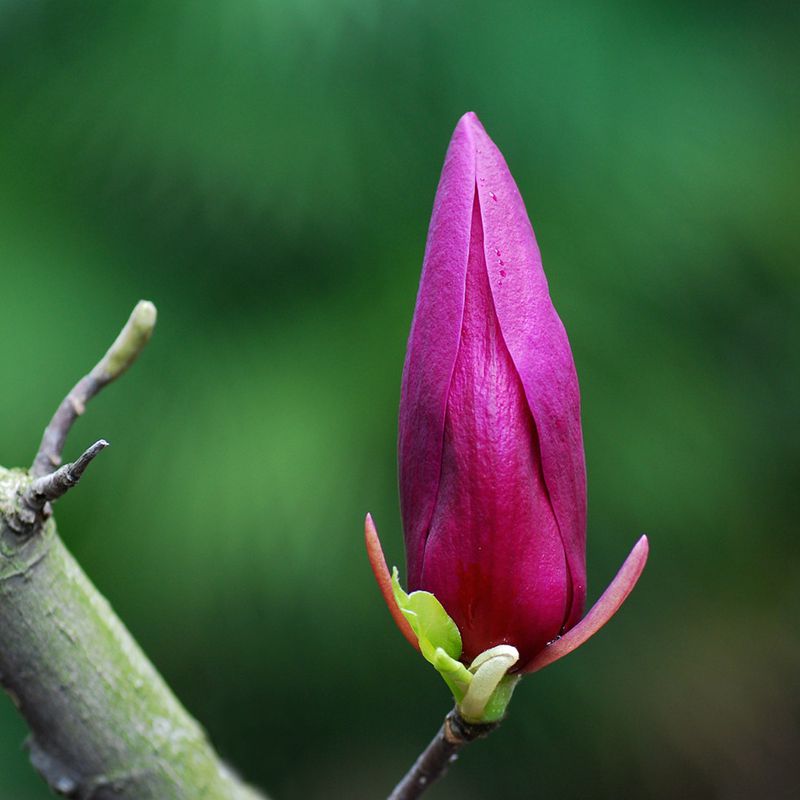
443 750
50 487
126 348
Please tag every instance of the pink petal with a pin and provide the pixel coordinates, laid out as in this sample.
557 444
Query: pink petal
378 563
539 347
433 346
601 612
493 557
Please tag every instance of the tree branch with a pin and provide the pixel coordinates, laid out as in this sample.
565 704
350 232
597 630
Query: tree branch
104 724
125 350
442 751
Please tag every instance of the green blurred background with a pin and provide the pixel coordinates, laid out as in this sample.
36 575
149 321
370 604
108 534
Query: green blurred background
264 172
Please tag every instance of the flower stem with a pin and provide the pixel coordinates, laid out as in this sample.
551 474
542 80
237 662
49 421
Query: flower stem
439 754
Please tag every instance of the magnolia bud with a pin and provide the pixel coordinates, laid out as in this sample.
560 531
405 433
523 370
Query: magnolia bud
492 476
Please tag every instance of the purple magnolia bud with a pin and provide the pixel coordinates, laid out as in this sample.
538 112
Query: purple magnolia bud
492 475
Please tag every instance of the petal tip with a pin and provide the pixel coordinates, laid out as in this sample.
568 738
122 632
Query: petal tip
638 555
470 123
371 537
601 612
377 562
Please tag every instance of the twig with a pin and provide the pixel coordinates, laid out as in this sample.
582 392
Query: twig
439 754
127 346
50 487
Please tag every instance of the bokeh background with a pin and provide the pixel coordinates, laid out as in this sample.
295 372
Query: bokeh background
264 172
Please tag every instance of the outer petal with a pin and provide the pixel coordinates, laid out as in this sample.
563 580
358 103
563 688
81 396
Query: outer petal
601 612
539 347
433 345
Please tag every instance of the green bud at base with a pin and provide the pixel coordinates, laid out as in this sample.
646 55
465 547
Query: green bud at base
482 691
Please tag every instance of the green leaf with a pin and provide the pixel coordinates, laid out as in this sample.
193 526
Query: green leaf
438 636
481 692
428 619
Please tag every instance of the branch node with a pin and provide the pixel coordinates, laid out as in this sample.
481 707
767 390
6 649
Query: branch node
432 764
76 404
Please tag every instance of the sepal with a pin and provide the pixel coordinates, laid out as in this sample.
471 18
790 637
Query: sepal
481 692
438 636
610 601
491 688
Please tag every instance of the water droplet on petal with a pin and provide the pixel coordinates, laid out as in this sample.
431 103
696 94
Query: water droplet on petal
493 196
502 272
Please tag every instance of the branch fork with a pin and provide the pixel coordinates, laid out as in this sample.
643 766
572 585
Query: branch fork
103 722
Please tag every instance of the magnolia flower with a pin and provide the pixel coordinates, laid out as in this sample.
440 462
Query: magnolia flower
492 476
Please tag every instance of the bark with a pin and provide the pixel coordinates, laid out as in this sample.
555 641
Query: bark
442 751
103 722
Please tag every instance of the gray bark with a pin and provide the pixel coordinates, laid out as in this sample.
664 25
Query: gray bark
103 722
104 725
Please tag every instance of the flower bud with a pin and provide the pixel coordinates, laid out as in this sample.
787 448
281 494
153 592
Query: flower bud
491 463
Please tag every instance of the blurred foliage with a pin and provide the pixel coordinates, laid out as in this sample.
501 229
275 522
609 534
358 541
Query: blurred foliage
264 172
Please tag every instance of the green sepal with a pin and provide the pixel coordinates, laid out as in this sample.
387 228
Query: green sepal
440 644
496 707
454 673
429 621
438 636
